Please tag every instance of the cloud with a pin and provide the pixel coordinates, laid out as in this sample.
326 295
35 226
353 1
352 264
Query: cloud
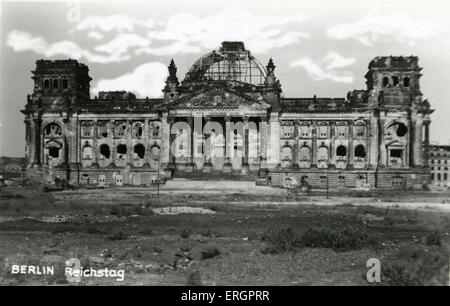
174 48
327 68
119 23
395 27
120 45
95 35
335 60
145 81
260 33
178 34
23 41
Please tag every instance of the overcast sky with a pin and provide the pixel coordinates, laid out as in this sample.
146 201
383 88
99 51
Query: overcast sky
318 47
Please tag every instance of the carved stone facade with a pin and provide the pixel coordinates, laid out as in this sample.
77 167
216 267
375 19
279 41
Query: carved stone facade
228 116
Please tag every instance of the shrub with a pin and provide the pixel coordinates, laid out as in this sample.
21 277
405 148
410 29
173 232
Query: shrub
434 238
194 279
118 235
185 233
338 239
281 240
210 252
418 267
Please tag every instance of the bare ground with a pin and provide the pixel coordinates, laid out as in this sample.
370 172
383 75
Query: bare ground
122 229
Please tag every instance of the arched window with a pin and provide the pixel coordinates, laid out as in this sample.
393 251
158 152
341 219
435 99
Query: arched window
87 152
121 128
341 151
139 151
406 81
65 84
286 154
138 130
104 151
55 83
154 152
46 84
304 153
395 80
53 130
385 81
322 153
360 151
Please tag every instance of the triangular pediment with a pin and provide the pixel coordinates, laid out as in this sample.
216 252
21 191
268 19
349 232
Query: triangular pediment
219 97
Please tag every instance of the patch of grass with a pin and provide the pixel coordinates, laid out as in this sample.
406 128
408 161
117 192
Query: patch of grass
338 239
417 267
194 279
185 233
210 252
434 238
118 235
281 240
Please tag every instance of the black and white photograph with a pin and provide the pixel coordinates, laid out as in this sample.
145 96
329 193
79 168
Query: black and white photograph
200 144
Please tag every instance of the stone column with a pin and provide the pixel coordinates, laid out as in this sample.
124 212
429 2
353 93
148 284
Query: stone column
207 167
426 144
95 142
32 141
373 145
245 166
227 167
350 153
273 143
111 128
167 155
314 128
417 142
296 147
190 158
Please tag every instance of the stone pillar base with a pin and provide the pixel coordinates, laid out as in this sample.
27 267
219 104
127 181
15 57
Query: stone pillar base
189 167
207 168
227 168
245 169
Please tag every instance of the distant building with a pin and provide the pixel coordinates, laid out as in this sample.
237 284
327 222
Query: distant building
375 137
439 165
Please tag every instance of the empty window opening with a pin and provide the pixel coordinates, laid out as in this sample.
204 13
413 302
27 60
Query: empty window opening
53 152
120 131
401 130
395 80
155 130
138 130
65 84
360 151
406 81
46 84
360 131
154 151
103 130
53 130
341 151
86 130
139 150
104 151
55 84
385 81
121 149
396 153
397 181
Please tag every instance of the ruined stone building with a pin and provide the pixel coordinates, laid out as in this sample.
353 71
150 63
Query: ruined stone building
377 136
439 164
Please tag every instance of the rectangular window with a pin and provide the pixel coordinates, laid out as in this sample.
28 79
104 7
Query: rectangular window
438 176
445 176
